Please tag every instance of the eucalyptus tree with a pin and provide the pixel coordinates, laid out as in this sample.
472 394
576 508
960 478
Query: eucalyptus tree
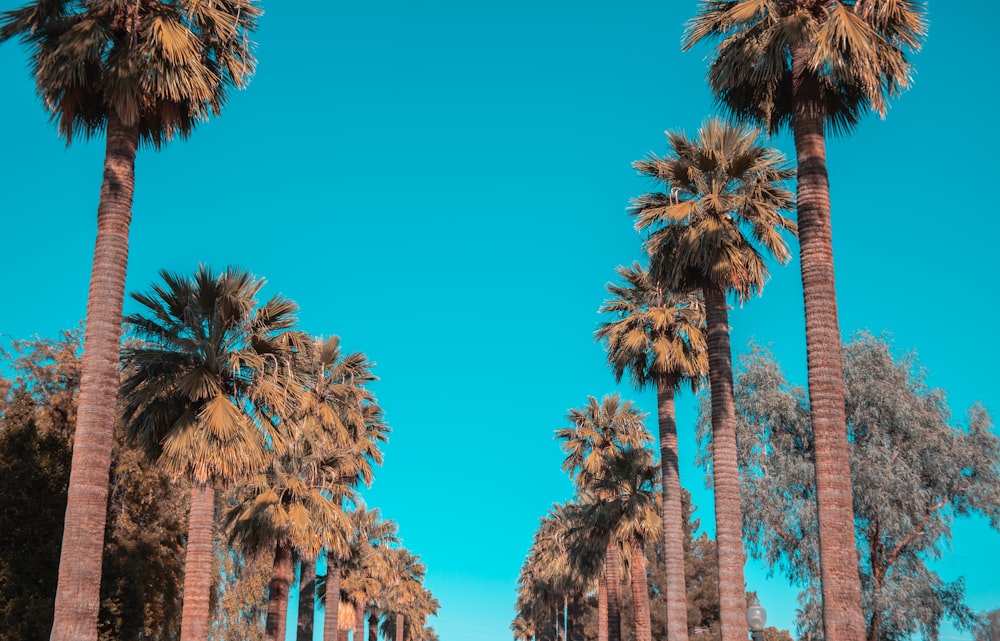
724 195
815 66
598 432
205 377
913 469
139 71
657 339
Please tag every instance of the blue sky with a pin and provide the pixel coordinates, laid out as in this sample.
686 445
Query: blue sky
444 185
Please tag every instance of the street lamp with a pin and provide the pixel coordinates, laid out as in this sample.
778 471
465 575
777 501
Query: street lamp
756 619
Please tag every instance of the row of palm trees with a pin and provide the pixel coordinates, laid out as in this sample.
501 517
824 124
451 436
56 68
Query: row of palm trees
812 66
227 393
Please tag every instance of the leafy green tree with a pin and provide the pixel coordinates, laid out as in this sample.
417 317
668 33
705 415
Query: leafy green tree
721 211
815 66
140 71
207 375
913 471
657 339
241 594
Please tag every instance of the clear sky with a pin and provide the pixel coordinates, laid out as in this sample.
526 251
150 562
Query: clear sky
443 184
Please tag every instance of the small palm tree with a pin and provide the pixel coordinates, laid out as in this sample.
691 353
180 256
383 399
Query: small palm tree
724 194
657 339
599 432
139 71
813 66
205 377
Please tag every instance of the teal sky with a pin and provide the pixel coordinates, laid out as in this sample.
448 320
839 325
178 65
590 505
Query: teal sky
444 184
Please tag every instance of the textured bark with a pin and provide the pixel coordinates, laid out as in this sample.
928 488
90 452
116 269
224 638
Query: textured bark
307 599
198 575
640 591
728 514
343 635
602 607
78 594
574 617
359 621
843 619
612 568
399 627
372 627
673 513
331 616
277 594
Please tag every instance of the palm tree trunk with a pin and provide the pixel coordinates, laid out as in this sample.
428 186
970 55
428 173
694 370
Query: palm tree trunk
359 621
574 617
307 599
843 619
673 513
612 568
399 627
640 591
277 594
602 607
331 617
343 635
728 514
78 594
372 626
196 610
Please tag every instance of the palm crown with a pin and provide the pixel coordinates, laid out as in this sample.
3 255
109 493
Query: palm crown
722 192
160 65
856 50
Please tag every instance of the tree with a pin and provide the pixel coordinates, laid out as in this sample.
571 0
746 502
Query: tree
241 594
989 628
205 379
812 66
366 569
599 432
913 471
657 338
724 195
141 71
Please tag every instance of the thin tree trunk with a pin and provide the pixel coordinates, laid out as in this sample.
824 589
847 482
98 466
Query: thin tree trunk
196 609
343 635
612 567
843 619
640 591
602 607
277 594
78 593
359 621
331 617
399 627
728 513
574 617
673 513
307 599
372 626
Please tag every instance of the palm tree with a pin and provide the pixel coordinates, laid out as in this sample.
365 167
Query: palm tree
403 601
723 192
600 431
627 514
205 377
367 568
141 71
816 65
657 338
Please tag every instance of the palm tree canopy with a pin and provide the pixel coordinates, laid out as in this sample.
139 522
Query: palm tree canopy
161 65
724 193
657 333
599 431
208 373
857 52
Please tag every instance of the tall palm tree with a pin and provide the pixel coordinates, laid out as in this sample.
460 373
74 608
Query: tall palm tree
403 597
141 71
367 568
813 66
724 194
205 377
600 431
657 338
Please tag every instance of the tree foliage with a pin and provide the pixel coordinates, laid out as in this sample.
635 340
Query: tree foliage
914 470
